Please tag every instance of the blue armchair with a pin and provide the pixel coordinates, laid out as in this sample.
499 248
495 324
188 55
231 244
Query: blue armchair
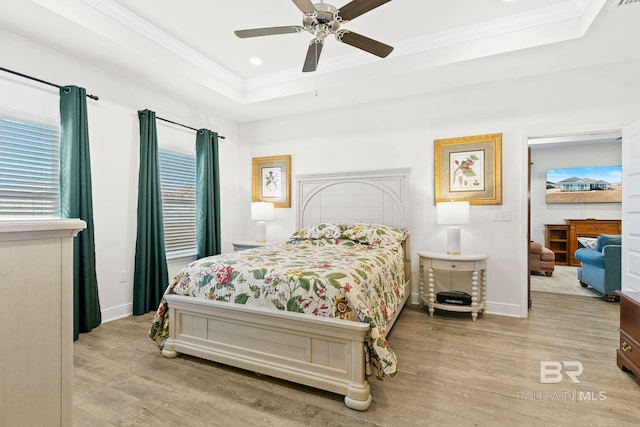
601 266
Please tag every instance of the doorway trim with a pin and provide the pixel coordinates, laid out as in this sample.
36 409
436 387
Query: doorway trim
569 138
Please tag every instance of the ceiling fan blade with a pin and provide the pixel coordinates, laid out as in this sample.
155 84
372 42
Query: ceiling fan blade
357 7
305 6
270 31
364 43
313 55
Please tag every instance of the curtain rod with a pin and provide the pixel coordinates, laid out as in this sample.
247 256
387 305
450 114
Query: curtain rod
88 95
41 81
184 126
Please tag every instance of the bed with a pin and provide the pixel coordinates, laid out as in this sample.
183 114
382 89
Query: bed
291 310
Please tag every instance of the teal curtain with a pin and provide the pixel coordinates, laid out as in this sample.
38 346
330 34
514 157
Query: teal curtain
76 202
207 194
150 277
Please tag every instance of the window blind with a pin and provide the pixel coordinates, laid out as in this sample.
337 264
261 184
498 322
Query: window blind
29 169
178 186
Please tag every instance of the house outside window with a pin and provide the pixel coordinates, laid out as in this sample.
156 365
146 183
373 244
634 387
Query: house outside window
29 169
178 186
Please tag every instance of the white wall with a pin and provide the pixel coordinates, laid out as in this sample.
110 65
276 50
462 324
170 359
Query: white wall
114 144
396 133
568 156
400 133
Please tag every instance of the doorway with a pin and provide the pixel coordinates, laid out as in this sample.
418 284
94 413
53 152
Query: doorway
566 153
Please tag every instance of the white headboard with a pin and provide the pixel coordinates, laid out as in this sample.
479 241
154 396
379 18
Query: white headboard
379 196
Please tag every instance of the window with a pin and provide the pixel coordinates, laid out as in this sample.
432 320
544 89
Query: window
178 183
29 169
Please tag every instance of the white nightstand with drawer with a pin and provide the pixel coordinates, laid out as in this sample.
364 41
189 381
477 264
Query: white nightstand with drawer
474 263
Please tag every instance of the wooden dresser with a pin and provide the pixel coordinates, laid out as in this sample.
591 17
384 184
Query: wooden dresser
36 314
589 228
563 238
628 355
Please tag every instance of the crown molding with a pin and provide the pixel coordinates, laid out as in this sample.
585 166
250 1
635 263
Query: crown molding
536 18
563 12
581 5
155 34
566 11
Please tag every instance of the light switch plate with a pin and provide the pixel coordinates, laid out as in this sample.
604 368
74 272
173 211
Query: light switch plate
502 216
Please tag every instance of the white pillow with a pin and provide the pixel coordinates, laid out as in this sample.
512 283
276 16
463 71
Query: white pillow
588 242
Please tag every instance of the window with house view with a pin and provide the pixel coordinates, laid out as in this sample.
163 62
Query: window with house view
29 169
178 183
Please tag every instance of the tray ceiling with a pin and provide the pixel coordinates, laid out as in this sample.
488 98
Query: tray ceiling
190 46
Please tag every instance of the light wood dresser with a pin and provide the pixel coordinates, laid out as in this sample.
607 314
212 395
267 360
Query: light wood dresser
36 314
589 228
563 238
628 355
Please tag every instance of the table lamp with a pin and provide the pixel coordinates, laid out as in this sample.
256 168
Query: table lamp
453 214
262 212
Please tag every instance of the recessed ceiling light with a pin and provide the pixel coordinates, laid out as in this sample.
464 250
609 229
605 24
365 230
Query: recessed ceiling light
254 60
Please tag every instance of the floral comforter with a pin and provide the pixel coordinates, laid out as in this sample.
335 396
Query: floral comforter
350 272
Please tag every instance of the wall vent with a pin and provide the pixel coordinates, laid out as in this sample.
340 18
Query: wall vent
623 2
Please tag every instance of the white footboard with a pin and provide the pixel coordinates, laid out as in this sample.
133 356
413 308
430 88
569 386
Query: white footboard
320 352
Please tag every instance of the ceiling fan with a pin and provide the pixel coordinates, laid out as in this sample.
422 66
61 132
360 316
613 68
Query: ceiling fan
321 20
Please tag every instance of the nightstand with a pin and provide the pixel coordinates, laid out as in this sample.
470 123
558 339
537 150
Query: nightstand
249 244
474 263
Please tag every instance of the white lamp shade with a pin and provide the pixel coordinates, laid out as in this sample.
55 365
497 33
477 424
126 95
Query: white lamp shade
452 212
262 211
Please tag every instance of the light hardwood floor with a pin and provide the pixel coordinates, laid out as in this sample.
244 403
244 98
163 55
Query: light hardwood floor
452 372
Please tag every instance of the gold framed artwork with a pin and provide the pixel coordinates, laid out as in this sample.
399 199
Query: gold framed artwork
272 180
469 169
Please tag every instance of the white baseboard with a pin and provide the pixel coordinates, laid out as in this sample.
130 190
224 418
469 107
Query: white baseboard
413 300
118 312
501 309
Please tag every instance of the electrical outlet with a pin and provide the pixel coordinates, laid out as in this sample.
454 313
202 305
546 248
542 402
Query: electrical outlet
122 276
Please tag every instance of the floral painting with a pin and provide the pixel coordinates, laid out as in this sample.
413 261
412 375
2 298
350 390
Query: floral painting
272 180
469 169
467 172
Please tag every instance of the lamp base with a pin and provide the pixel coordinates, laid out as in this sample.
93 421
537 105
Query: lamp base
453 240
261 235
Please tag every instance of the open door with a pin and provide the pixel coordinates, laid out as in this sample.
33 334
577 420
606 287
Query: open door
528 226
631 208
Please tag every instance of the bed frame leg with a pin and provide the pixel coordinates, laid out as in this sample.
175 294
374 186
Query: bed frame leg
169 354
358 397
168 351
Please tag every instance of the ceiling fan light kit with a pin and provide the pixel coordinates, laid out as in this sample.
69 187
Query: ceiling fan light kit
322 20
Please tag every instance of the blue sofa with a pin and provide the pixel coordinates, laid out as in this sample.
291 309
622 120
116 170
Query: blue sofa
601 266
